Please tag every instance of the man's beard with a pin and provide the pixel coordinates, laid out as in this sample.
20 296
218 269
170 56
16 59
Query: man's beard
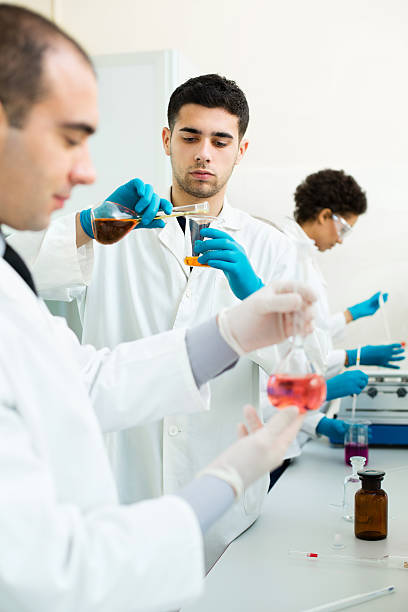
199 190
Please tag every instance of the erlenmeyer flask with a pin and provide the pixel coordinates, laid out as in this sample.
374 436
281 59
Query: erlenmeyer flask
296 382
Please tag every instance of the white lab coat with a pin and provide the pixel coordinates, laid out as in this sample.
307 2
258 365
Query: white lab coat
141 286
66 543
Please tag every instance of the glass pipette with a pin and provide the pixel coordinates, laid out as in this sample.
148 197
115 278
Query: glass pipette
387 561
354 401
182 211
385 319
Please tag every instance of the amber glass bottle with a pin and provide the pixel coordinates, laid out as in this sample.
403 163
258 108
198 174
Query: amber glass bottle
371 507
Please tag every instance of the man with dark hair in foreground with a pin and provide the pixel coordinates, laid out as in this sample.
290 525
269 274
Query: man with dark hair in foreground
66 543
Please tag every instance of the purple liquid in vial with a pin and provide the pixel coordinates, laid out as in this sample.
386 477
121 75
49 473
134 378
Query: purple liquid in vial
355 450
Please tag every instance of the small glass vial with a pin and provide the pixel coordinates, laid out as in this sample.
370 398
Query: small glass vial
371 507
351 486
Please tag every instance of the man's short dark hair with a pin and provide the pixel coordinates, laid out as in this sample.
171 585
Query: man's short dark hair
329 189
211 91
25 37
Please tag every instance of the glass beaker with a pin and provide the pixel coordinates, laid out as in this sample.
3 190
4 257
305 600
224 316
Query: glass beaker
296 381
196 224
356 441
111 221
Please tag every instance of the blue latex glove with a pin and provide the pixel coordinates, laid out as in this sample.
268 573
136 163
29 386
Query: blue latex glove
381 355
348 383
224 253
334 429
137 196
368 307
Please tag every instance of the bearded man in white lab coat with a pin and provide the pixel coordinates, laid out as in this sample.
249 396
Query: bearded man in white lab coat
66 542
141 286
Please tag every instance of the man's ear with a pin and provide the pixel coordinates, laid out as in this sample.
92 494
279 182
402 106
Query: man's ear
243 146
166 138
324 214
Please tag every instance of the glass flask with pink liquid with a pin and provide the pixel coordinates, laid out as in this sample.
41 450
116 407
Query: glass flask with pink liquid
295 381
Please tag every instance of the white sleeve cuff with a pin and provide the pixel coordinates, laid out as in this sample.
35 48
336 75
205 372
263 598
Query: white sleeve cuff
337 324
311 422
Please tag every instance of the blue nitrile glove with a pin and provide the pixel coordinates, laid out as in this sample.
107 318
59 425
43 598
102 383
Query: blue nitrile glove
368 307
137 196
224 253
348 383
381 355
334 429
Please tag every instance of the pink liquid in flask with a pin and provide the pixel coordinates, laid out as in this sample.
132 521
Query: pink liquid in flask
307 392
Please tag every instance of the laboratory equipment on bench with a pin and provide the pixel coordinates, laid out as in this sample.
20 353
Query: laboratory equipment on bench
111 222
384 402
351 485
371 507
196 224
356 440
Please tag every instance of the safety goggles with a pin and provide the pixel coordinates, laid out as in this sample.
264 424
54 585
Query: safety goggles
342 227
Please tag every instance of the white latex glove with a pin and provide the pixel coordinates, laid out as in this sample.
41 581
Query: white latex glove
260 449
267 317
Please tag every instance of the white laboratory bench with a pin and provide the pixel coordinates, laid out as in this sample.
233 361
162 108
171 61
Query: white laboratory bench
255 574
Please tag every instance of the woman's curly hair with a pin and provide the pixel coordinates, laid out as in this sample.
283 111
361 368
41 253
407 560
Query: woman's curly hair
329 189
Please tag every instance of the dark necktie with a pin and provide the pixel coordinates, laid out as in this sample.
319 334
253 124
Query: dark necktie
15 261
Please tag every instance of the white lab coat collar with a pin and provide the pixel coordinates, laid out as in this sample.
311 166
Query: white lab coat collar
229 217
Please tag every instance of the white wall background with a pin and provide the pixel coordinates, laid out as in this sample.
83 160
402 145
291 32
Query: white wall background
327 84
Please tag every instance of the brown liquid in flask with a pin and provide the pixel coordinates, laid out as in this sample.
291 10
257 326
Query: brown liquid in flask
371 507
109 231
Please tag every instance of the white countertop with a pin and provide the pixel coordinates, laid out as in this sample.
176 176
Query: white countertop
255 574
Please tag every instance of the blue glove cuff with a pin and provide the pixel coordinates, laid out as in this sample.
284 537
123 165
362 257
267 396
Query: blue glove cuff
352 357
354 311
323 426
85 220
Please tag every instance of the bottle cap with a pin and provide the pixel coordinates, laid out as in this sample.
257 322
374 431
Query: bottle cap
371 479
337 542
357 461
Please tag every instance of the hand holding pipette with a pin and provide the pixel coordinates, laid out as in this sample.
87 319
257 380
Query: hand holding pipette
368 307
